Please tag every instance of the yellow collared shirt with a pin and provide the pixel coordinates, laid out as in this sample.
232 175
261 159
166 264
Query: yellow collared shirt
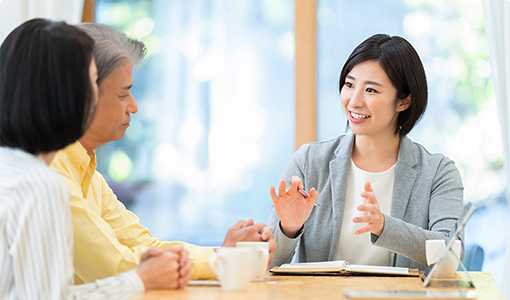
108 238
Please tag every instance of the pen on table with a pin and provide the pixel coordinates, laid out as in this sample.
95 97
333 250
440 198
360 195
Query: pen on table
304 193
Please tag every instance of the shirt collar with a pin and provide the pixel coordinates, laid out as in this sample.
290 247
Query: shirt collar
84 164
78 155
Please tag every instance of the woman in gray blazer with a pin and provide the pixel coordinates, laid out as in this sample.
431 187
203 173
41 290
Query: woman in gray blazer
381 195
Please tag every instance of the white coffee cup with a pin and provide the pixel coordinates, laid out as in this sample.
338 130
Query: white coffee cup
434 249
260 257
232 267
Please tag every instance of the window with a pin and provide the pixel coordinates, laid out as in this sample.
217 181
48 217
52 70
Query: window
216 109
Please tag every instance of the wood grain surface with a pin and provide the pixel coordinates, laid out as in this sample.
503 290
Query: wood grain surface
325 287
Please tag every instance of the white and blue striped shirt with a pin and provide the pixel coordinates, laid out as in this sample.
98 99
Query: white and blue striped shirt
36 240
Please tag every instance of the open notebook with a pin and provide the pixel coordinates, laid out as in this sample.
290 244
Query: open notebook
341 267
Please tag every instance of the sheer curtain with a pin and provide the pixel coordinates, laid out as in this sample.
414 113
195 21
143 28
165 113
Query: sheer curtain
497 24
15 12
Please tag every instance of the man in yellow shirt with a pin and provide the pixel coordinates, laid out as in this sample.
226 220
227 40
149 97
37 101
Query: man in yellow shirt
108 238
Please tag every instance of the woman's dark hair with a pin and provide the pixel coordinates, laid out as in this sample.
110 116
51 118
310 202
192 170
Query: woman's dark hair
403 66
45 89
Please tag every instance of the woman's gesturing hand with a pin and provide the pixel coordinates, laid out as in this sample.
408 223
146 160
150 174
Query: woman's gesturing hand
291 206
373 215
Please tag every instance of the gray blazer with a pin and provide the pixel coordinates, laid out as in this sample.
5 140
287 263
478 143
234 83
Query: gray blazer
427 201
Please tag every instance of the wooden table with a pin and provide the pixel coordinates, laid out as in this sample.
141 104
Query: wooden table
321 287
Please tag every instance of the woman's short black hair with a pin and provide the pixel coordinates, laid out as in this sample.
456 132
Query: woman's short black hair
45 89
403 66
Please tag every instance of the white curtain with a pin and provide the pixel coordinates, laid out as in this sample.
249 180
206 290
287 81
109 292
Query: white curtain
14 12
497 26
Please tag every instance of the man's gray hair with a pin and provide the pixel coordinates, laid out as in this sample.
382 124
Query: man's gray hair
112 48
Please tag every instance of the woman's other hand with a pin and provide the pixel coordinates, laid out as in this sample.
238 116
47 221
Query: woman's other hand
291 206
373 215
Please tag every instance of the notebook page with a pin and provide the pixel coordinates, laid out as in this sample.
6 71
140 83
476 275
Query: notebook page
323 265
377 269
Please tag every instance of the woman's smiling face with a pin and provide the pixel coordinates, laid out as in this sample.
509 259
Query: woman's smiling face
369 100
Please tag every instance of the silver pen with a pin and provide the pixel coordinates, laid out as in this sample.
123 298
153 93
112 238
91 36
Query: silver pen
304 193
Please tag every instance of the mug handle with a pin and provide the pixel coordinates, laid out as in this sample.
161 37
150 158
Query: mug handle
263 265
213 263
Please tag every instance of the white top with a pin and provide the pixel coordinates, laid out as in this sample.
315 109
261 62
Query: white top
36 240
358 249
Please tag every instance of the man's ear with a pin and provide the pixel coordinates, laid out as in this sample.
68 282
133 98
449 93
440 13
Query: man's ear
404 103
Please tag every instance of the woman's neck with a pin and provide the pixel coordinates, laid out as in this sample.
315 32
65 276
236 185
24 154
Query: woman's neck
48 157
375 154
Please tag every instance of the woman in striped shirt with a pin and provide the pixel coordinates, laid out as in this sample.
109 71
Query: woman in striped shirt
48 93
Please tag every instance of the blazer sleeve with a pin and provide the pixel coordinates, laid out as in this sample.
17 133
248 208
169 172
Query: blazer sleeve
285 246
445 204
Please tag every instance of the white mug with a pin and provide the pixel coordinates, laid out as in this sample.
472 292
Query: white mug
260 258
232 267
449 265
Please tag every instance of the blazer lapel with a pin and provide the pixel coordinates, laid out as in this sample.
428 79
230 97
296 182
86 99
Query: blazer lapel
405 177
339 174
